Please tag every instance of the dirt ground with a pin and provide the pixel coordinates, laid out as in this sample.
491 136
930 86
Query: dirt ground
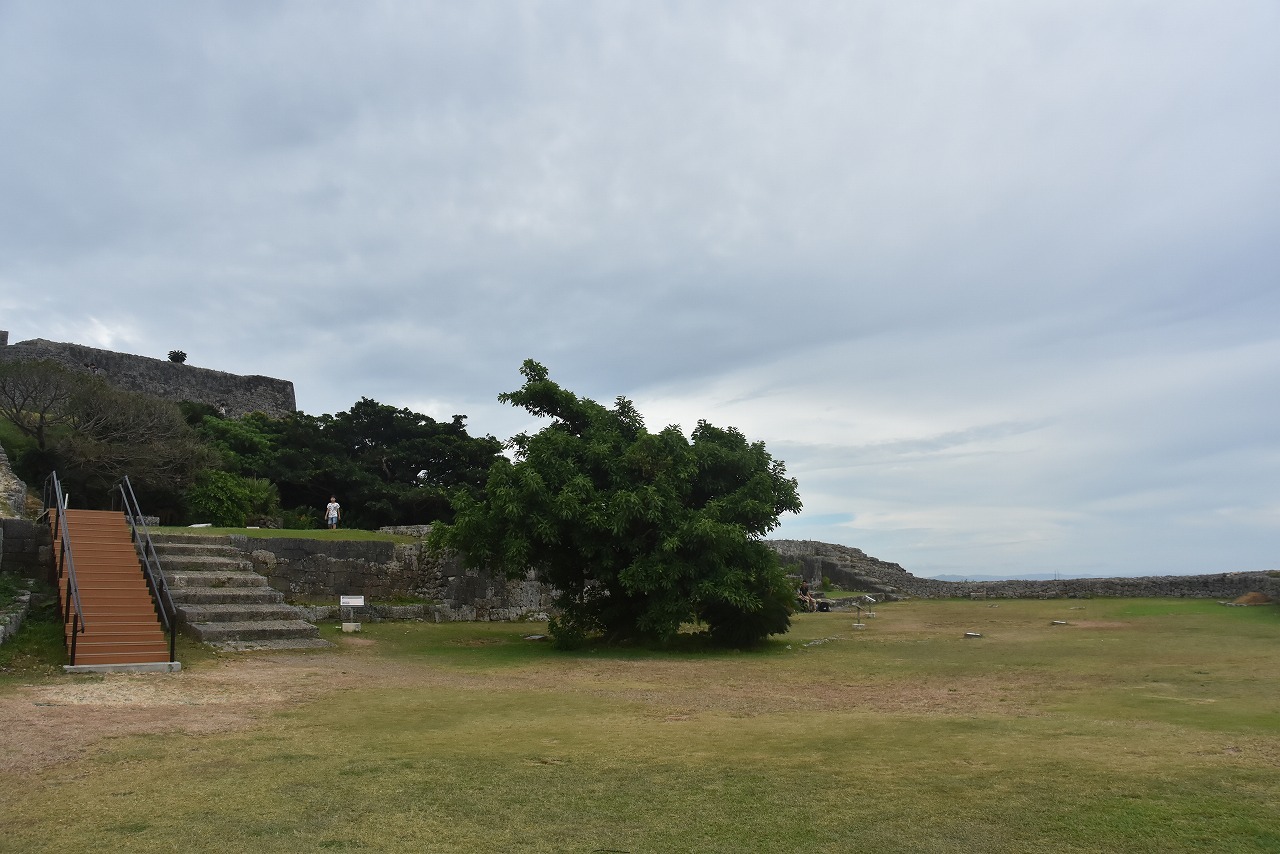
54 721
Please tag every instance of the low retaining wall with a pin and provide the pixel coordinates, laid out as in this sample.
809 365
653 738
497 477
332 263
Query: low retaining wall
386 571
25 548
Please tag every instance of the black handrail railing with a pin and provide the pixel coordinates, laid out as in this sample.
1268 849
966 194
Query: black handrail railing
150 564
65 564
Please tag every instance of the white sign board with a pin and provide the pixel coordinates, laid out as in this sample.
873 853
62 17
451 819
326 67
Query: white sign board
351 601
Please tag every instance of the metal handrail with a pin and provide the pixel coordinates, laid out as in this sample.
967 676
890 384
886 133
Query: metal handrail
150 564
65 560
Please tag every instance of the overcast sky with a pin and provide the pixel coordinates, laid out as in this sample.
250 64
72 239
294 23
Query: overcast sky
999 281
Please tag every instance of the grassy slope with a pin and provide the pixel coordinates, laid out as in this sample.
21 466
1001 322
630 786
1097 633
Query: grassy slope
1142 726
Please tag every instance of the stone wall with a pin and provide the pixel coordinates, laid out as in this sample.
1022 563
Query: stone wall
25 548
846 567
1222 586
852 569
232 394
386 571
12 614
13 492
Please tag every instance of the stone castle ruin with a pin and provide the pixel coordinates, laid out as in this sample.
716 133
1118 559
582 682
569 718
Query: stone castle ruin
232 395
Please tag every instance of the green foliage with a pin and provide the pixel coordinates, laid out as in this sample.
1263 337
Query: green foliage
37 649
9 588
177 356
387 466
300 519
36 396
116 433
640 532
93 434
226 499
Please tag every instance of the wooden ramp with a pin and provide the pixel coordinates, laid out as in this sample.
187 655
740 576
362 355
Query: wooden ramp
121 624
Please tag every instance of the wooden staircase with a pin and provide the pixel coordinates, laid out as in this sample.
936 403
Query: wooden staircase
121 624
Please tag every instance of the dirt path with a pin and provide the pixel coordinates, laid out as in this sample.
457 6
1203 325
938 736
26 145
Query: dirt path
60 719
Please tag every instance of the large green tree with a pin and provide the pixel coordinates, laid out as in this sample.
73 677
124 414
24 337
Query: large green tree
639 532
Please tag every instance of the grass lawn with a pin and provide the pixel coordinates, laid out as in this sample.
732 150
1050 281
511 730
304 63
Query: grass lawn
296 533
1139 726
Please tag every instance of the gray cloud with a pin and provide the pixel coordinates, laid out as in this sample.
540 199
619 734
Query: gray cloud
875 235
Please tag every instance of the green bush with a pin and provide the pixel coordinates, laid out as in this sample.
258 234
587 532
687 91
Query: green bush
227 500
300 519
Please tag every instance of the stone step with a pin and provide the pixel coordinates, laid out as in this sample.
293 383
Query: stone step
189 540
252 630
204 563
222 601
213 578
258 595
179 550
239 613
272 643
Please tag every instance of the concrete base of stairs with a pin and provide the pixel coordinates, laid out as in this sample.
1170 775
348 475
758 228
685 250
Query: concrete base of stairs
149 667
268 643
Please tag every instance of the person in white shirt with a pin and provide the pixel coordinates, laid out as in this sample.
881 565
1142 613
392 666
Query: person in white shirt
333 512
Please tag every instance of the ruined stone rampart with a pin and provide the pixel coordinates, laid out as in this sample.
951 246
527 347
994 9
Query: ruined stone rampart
385 571
852 569
232 394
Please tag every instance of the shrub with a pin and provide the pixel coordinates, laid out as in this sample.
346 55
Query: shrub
227 500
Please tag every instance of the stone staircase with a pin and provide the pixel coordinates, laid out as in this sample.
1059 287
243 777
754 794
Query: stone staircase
222 601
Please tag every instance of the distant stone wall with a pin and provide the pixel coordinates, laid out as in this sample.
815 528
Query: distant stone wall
231 394
1225 586
385 571
852 569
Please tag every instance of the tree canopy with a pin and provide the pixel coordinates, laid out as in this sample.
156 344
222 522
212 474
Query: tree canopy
388 466
93 434
639 532
186 462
